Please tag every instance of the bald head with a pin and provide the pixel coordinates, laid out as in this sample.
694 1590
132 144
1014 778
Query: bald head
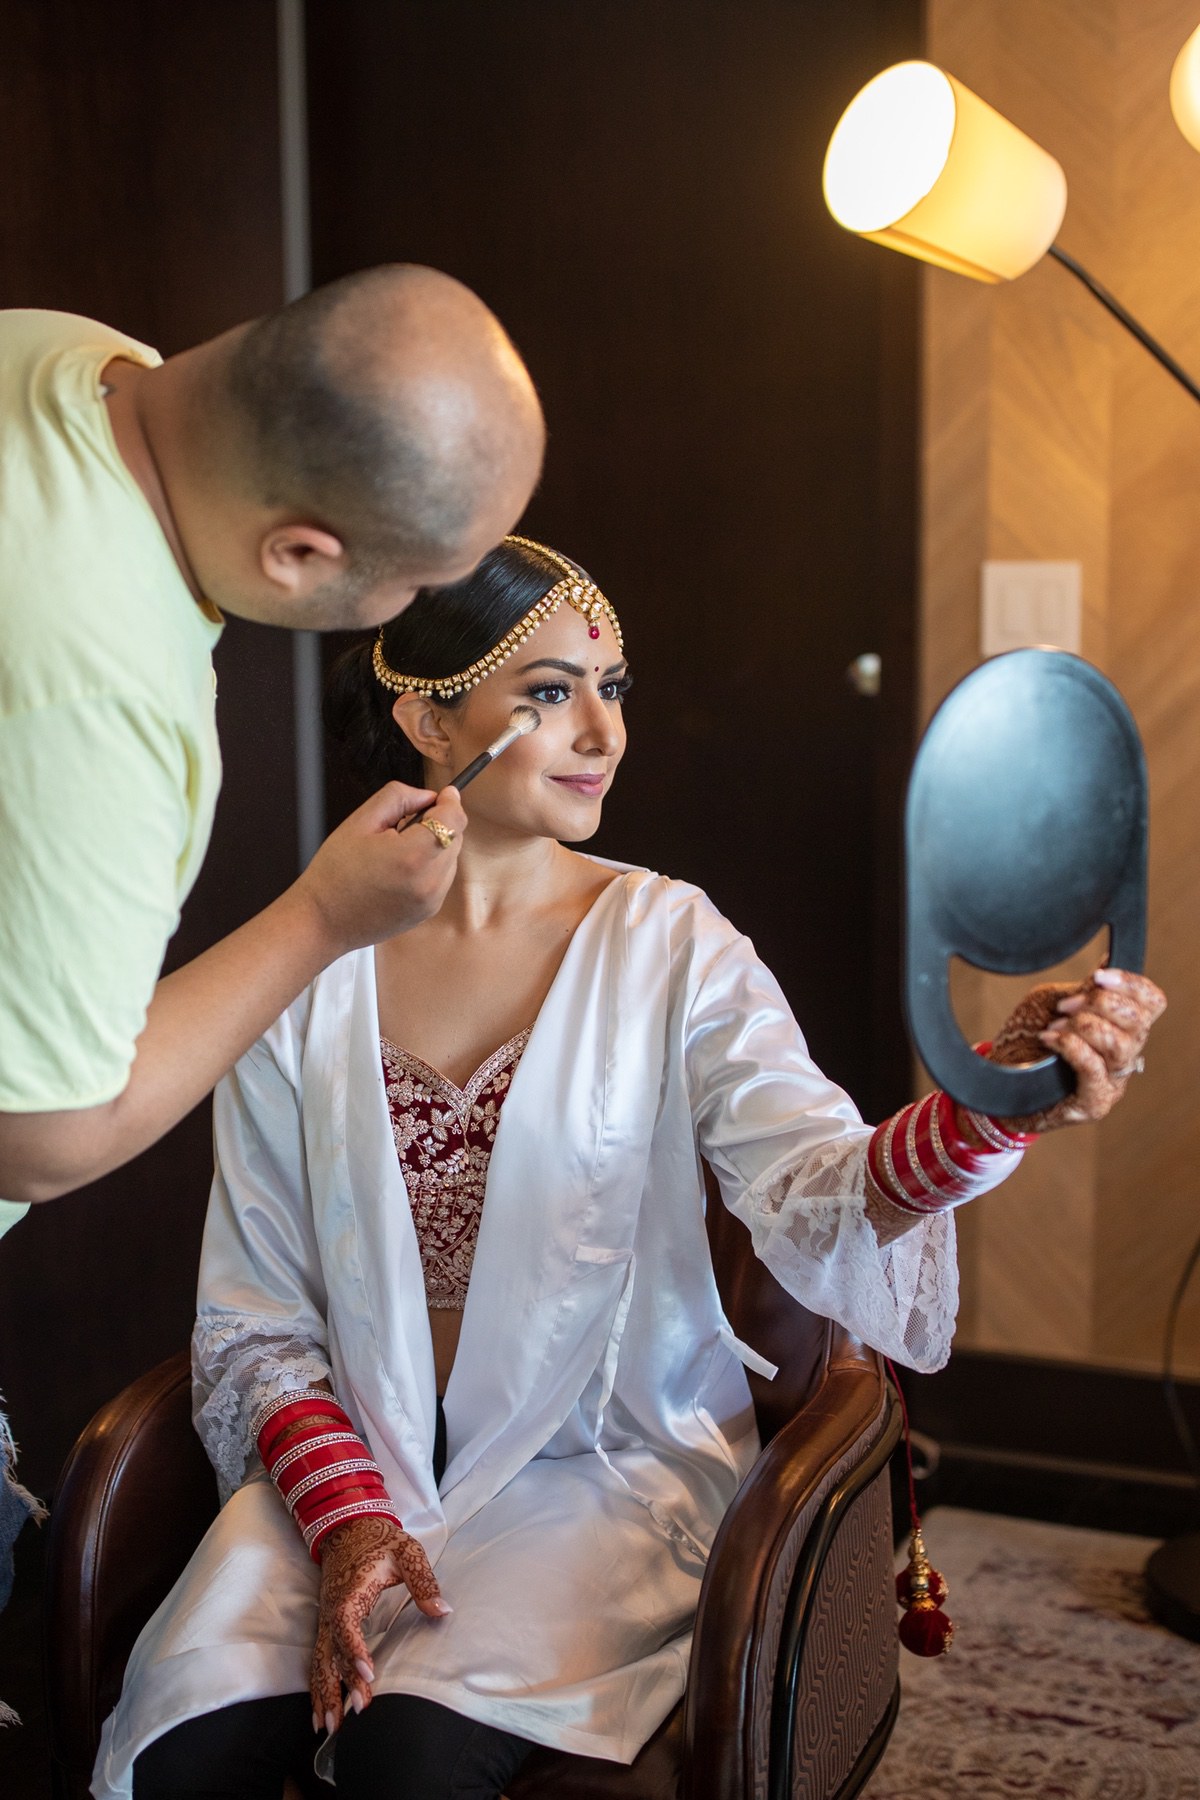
391 408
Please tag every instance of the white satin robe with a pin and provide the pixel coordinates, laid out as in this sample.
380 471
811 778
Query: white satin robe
598 1416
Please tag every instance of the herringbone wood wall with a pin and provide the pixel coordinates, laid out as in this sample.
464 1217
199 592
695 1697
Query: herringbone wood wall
1048 433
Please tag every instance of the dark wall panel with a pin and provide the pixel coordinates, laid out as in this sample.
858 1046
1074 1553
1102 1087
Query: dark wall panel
140 148
729 382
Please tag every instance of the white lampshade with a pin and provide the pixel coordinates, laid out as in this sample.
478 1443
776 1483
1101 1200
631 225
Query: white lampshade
920 163
1185 90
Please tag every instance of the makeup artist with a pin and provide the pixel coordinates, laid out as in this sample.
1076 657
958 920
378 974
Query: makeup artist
509 1215
311 469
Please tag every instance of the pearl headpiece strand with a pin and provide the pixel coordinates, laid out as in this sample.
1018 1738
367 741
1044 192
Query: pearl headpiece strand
575 588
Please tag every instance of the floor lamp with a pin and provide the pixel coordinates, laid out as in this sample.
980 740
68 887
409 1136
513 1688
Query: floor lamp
921 164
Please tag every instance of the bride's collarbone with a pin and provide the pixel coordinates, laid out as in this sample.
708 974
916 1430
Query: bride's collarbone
454 1017
453 998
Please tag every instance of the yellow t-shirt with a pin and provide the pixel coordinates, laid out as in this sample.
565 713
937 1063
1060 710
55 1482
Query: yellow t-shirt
109 763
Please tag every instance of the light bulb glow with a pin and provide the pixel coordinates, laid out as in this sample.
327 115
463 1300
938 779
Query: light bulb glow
1185 90
922 164
890 146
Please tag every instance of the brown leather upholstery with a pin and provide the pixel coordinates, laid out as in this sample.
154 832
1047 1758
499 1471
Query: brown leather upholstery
136 1495
799 1579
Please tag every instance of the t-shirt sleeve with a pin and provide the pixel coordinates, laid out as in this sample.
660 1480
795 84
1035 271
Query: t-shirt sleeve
93 824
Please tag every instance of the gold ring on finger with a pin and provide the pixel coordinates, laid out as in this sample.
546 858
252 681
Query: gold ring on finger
443 833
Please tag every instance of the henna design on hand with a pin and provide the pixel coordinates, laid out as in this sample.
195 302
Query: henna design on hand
359 1562
887 1220
1099 1026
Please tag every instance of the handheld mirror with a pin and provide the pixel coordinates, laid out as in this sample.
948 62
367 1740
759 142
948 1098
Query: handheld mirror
1025 833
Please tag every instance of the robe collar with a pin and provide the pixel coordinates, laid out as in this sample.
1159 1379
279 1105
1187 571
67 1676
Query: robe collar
553 1267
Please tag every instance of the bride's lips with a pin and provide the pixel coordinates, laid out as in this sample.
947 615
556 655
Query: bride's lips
591 785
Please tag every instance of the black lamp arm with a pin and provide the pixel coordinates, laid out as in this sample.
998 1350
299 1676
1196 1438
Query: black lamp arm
1127 319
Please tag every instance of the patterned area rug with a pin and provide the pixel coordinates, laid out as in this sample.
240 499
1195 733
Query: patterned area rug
1058 1685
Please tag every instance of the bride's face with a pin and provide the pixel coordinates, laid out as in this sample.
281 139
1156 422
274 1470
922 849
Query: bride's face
551 783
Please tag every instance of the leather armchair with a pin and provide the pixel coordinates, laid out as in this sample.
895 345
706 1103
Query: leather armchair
793 1691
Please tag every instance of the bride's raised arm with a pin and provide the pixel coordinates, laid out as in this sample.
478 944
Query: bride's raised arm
857 1222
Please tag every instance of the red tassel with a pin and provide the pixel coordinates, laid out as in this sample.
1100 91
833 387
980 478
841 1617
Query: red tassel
926 1632
920 1589
924 1629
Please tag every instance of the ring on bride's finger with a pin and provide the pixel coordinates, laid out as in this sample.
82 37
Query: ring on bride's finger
442 833
1135 1068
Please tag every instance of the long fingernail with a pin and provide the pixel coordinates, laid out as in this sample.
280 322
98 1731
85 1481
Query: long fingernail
330 1723
316 1720
364 1669
1071 1003
1109 978
1052 1034
356 1700
441 1607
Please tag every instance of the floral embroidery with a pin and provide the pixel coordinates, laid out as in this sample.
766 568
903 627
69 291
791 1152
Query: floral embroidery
444 1137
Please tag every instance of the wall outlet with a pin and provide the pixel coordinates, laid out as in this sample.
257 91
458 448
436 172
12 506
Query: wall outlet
1030 603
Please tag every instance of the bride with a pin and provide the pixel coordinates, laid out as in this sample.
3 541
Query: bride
460 1360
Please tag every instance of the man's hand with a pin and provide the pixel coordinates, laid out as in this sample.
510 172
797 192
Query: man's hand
368 882
359 1561
1099 1026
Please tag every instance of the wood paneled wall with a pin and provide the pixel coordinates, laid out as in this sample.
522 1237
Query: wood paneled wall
1049 433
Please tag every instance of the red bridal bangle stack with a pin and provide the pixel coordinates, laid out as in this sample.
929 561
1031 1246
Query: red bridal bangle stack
921 1162
991 1130
323 1470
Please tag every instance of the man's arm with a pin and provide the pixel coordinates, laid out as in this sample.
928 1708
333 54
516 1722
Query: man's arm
365 884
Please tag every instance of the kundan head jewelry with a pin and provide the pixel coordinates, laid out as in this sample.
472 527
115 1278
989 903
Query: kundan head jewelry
575 588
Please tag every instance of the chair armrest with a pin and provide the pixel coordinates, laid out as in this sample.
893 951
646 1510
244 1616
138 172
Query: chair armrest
135 1496
826 1469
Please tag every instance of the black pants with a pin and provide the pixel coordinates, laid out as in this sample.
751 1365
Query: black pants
400 1748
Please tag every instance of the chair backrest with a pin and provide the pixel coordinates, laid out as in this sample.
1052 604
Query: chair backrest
765 1316
135 1497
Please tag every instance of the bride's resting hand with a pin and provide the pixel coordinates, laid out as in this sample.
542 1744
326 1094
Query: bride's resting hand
359 1561
1099 1026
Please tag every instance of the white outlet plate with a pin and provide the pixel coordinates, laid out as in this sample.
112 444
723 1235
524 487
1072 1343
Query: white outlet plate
1030 603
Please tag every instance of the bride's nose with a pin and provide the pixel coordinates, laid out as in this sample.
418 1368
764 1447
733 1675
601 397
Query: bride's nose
599 731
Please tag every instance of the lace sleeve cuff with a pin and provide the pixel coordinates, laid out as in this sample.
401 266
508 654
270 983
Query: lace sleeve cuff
240 1363
809 1224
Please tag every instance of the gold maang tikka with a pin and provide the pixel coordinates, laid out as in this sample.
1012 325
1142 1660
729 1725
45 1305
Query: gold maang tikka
575 588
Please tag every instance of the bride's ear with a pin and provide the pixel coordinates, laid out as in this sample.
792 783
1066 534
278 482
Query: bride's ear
420 719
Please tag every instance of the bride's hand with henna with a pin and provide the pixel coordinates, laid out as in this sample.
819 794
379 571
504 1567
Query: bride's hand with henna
359 1562
1098 1026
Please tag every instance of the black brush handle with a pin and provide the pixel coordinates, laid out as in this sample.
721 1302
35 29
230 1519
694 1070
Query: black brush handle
459 781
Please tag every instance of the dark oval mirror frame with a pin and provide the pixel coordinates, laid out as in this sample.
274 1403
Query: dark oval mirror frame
1025 835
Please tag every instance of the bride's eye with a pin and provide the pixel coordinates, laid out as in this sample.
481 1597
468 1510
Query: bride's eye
550 693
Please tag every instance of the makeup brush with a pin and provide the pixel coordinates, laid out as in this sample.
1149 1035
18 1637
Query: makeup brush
524 720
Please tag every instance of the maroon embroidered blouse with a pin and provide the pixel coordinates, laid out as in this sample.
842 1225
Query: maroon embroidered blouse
444 1137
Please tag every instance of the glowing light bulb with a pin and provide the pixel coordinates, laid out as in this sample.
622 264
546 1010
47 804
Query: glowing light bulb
889 147
1185 90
